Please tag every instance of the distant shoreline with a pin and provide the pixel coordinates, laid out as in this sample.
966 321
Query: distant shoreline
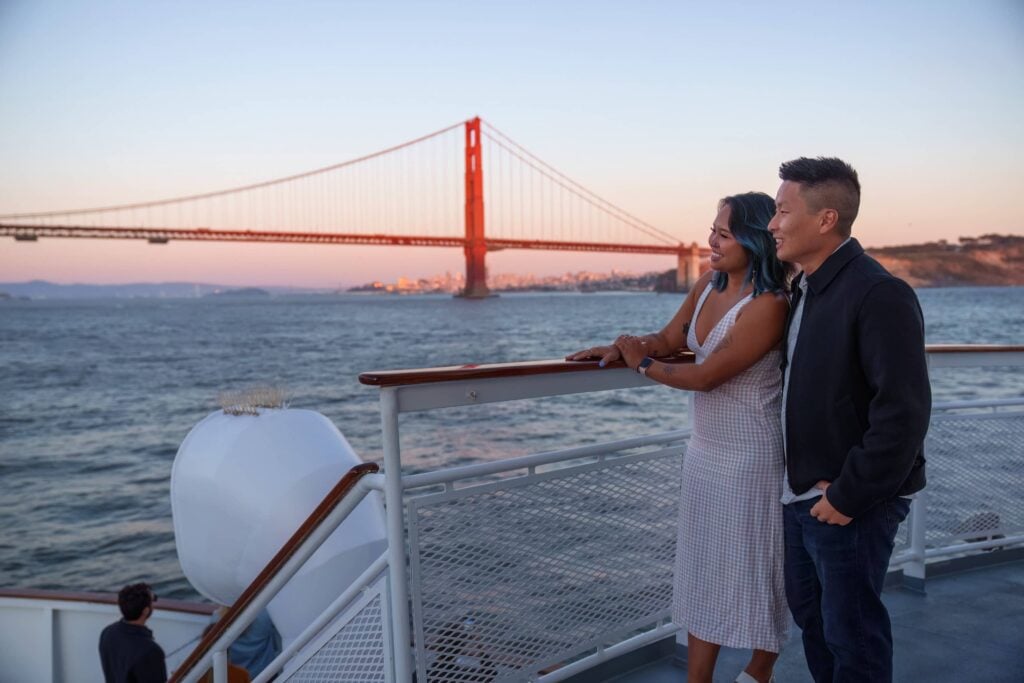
986 261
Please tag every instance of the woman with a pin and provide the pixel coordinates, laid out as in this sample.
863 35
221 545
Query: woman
728 588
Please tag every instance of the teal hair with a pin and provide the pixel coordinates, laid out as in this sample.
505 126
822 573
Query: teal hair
749 216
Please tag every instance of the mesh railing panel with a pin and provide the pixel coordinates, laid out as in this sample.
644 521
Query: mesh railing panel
354 653
974 466
523 574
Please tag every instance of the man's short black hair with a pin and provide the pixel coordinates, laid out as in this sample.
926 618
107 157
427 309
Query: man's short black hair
134 599
826 183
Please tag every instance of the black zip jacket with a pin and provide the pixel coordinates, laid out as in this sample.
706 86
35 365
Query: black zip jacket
129 654
859 398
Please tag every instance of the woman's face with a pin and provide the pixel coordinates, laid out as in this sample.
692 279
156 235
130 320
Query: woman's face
727 254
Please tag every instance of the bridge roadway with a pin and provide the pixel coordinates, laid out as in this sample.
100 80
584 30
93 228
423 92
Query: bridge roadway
162 235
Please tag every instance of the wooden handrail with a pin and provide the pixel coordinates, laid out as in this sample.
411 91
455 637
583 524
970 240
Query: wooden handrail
315 518
974 348
184 606
452 373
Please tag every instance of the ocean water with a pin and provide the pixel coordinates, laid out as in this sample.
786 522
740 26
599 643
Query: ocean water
97 395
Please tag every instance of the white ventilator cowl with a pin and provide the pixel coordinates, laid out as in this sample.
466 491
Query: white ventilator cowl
241 485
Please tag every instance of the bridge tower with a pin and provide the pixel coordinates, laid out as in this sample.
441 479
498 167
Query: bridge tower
476 248
688 267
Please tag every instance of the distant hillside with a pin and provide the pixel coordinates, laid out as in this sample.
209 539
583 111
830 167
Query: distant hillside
992 260
989 260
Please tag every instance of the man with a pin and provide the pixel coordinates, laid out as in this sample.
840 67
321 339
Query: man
127 649
856 405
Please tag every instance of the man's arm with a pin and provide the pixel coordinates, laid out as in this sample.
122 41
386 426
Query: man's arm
890 338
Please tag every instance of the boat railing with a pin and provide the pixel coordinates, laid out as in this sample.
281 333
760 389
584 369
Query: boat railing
307 539
506 570
972 502
51 635
541 566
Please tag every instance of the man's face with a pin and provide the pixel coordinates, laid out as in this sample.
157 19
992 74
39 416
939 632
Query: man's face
796 229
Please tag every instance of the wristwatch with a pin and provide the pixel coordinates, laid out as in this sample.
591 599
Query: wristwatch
644 364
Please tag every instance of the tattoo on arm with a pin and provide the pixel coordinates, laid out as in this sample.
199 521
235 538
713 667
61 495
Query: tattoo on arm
667 369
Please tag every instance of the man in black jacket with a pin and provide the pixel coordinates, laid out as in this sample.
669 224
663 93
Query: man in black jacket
855 409
128 652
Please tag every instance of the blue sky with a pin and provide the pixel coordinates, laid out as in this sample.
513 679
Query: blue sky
660 107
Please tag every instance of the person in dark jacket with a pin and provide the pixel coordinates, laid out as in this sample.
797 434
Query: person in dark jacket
855 410
128 652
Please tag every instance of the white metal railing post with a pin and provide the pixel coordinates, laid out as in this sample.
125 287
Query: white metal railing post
50 644
220 666
915 568
394 504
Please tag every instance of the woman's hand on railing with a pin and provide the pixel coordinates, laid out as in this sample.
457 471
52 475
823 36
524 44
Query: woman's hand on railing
632 349
604 354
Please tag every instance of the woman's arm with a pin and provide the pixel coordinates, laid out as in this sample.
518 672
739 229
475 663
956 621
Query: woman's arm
757 330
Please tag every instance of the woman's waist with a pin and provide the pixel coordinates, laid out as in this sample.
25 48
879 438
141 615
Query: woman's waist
736 458
741 404
724 422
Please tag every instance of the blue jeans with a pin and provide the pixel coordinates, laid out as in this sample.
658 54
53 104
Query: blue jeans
834 578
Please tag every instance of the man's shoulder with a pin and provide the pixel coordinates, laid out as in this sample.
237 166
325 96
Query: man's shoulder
866 266
111 630
863 273
125 631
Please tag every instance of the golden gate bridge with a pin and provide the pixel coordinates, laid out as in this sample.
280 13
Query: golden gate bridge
430 191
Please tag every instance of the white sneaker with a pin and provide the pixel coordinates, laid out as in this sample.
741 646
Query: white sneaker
744 677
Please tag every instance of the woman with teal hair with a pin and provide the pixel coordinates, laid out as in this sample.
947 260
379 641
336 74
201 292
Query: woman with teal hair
728 588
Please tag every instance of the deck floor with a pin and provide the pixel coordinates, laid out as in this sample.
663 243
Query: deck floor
967 627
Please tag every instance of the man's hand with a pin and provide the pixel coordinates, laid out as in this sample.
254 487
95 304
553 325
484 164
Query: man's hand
823 510
633 349
606 354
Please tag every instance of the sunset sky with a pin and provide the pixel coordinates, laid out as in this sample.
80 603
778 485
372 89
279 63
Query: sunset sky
659 107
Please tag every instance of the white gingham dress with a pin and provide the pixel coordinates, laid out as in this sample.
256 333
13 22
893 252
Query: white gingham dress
728 586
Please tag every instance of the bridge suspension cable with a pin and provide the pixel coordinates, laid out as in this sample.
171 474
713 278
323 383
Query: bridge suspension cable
604 216
234 190
412 193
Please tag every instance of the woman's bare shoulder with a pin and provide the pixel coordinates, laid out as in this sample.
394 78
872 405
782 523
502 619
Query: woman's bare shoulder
772 304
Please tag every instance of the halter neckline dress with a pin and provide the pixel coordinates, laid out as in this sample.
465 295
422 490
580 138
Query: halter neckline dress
728 586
